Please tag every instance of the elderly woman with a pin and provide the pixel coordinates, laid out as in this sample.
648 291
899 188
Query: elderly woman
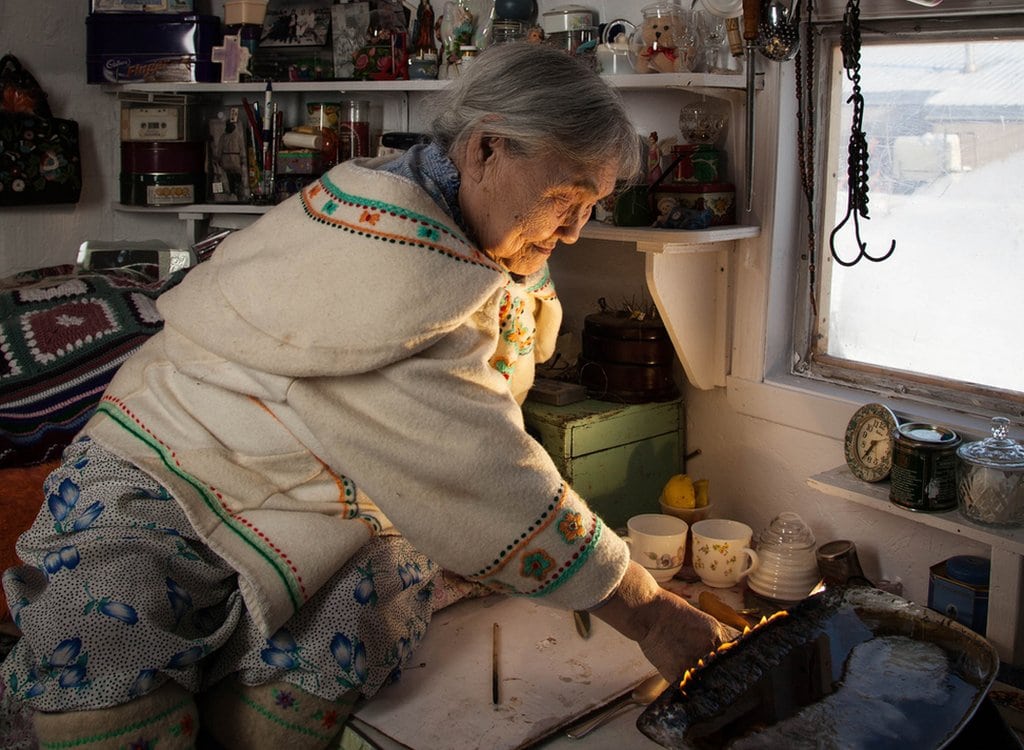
325 445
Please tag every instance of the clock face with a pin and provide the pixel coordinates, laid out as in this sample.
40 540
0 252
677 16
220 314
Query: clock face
869 442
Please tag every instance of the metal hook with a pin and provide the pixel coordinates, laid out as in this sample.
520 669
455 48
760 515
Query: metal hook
862 247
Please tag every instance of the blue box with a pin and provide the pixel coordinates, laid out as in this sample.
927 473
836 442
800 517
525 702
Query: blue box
151 48
958 588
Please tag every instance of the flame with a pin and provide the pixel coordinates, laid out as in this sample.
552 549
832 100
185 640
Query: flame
689 674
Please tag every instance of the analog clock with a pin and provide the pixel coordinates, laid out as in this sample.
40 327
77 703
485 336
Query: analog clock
869 442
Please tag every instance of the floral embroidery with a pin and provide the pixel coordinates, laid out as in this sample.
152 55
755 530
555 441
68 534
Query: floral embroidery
570 526
516 339
328 719
369 218
536 564
285 699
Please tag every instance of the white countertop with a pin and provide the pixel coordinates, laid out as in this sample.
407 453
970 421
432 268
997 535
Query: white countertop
549 679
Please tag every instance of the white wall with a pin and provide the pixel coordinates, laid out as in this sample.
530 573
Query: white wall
756 468
52 46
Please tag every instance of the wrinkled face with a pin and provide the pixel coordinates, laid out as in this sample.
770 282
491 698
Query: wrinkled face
521 207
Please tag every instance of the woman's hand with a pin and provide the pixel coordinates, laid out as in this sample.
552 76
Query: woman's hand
673 634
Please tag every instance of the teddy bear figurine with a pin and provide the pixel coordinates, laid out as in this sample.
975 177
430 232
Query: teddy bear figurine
664 42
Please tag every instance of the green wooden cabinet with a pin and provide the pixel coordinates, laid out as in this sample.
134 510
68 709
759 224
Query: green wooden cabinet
617 456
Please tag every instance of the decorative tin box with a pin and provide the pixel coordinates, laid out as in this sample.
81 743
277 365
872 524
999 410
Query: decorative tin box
958 587
697 205
151 47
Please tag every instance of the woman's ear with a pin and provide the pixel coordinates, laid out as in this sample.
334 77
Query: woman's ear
481 153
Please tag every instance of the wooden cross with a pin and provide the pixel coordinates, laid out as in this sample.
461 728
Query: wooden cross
233 57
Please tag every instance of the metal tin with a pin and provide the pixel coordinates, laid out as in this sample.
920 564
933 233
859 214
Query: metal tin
924 467
958 587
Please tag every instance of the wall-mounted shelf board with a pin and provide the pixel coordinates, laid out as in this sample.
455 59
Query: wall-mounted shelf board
1006 584
631 81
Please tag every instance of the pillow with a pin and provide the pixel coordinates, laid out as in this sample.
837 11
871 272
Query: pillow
21 497
63 334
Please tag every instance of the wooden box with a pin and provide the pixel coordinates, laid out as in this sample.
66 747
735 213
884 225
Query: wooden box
617 456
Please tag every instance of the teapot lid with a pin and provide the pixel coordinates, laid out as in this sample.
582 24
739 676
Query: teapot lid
788 530
998 451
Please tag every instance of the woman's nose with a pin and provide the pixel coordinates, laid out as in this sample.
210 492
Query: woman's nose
570 231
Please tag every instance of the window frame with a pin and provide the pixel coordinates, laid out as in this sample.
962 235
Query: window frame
770 376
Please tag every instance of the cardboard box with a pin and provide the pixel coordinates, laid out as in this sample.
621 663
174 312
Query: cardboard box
151 47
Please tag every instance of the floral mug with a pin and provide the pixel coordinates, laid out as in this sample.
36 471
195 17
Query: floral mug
658 542
720 551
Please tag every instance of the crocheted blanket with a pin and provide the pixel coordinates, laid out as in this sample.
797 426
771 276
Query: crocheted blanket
63 334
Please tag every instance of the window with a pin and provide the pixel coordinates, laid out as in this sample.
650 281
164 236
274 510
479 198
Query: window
943 116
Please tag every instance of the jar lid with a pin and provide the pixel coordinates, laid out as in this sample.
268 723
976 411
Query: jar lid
998 451
787 530
969 569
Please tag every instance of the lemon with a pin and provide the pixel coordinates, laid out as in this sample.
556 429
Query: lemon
679 493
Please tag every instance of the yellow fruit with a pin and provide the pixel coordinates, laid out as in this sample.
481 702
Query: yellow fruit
679 493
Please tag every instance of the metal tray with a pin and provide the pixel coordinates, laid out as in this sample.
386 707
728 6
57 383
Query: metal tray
851 667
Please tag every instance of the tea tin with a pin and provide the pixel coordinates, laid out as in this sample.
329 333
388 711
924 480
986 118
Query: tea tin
924 467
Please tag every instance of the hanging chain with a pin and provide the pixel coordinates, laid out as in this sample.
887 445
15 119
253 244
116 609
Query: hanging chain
805 145
857 159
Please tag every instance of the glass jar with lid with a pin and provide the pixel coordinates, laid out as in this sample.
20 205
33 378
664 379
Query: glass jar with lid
990 478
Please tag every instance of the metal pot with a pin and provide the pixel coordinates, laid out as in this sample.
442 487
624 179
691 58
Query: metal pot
990 478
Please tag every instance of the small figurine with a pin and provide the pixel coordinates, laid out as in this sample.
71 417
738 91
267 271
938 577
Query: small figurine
535 34
423 29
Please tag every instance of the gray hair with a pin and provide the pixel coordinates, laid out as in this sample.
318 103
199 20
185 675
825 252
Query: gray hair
544 102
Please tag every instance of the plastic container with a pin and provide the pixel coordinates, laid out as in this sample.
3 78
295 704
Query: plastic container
244 11
990 478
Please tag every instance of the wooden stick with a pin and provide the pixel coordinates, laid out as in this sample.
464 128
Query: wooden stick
494 665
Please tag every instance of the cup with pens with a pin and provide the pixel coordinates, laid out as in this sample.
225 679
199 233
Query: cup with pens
266 124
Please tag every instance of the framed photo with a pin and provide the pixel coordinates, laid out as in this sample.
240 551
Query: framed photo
350 23
296 23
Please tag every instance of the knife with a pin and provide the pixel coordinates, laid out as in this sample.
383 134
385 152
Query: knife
582 620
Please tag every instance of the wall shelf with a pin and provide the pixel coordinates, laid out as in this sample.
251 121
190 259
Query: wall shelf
1006 585
636 81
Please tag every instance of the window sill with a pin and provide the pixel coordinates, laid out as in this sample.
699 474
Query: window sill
825 409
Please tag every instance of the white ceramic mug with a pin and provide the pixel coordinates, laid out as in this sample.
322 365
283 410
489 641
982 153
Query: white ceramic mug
658 542
720 549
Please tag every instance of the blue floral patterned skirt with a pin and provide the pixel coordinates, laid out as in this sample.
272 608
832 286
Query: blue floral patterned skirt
118 594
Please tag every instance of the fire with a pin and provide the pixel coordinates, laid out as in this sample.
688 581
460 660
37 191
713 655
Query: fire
726 645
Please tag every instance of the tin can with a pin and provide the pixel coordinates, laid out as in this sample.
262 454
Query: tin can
924 467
